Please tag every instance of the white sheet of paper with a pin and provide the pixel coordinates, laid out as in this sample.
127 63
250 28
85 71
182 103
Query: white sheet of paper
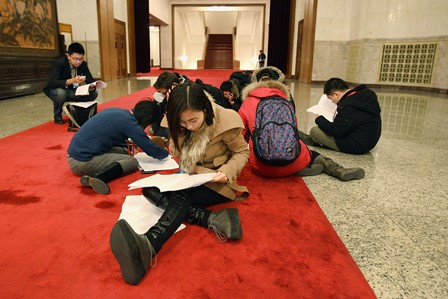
83 104
141 214
173 182
325 107
83 90
148 163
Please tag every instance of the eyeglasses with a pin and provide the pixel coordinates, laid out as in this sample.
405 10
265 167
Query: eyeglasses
77 58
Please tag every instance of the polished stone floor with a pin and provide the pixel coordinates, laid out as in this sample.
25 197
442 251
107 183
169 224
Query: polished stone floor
394 222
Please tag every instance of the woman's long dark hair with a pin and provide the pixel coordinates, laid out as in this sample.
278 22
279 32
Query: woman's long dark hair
183 97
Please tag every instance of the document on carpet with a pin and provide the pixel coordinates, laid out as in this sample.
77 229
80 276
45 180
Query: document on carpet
141 214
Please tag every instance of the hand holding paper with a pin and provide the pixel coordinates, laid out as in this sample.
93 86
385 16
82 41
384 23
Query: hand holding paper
325 107
83 90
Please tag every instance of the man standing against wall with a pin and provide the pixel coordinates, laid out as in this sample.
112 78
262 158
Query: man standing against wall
261 59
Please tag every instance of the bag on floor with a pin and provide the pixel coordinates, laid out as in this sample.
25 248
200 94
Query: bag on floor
275 137
78 113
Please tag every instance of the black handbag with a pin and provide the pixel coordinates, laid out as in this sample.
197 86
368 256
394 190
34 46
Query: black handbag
78 113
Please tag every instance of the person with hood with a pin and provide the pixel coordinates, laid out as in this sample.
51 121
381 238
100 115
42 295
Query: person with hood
356 127
97 152
266 82
207 139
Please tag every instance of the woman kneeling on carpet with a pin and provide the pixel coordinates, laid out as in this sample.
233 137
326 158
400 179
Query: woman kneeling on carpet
206 138
97 152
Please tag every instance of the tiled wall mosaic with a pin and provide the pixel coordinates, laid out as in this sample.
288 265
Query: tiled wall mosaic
352 65
408 64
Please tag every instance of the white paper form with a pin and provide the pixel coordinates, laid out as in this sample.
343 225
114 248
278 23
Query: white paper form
141 214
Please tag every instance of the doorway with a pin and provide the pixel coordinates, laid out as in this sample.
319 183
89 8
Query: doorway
154 45
120 48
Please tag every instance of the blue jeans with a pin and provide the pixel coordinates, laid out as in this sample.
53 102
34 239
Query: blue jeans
61 95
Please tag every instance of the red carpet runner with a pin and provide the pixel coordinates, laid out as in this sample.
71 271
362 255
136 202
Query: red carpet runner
55 236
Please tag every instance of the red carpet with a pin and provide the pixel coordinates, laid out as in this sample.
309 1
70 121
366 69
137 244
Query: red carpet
55 236
213 77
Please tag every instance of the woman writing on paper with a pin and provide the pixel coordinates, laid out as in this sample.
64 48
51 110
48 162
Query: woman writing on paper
206 138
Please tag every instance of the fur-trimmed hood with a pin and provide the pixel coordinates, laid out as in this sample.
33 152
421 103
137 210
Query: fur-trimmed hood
269 70
195 144
249 89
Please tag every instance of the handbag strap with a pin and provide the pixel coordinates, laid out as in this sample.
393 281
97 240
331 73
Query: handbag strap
70 116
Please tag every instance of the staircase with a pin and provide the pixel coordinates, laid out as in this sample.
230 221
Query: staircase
219 52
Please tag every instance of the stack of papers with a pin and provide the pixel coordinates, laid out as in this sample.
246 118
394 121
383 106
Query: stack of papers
148 164
141 214
83 104
173 182
83 90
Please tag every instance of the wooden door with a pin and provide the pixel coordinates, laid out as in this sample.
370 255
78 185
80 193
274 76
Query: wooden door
120 49
299 47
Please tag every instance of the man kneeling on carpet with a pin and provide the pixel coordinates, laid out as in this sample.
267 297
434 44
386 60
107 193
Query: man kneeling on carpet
207 139
267 101
97 151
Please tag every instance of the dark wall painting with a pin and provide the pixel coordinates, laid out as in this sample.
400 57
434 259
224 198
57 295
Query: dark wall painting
28 24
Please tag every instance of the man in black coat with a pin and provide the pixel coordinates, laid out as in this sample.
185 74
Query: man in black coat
356 127
67 73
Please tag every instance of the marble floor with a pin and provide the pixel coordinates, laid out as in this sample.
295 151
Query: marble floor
394 222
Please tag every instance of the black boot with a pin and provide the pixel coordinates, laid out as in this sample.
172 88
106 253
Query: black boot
173 216
136 253
157 198
225 223
133 252
99 180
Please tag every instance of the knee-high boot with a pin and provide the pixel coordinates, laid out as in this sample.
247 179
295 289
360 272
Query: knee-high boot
175 213
335 170
225 223
100 179
135 253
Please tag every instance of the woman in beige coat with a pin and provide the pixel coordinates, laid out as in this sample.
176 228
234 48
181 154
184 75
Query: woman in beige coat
206 138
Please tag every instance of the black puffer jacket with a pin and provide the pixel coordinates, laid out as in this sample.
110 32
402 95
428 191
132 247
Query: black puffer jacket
357 125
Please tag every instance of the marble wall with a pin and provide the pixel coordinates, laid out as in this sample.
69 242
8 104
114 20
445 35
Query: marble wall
85 31
370 24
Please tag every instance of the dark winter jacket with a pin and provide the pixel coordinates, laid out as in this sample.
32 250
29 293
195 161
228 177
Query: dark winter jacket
61 72
357 125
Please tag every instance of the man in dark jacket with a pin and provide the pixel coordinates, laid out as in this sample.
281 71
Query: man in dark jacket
97 151
356 127
67 73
